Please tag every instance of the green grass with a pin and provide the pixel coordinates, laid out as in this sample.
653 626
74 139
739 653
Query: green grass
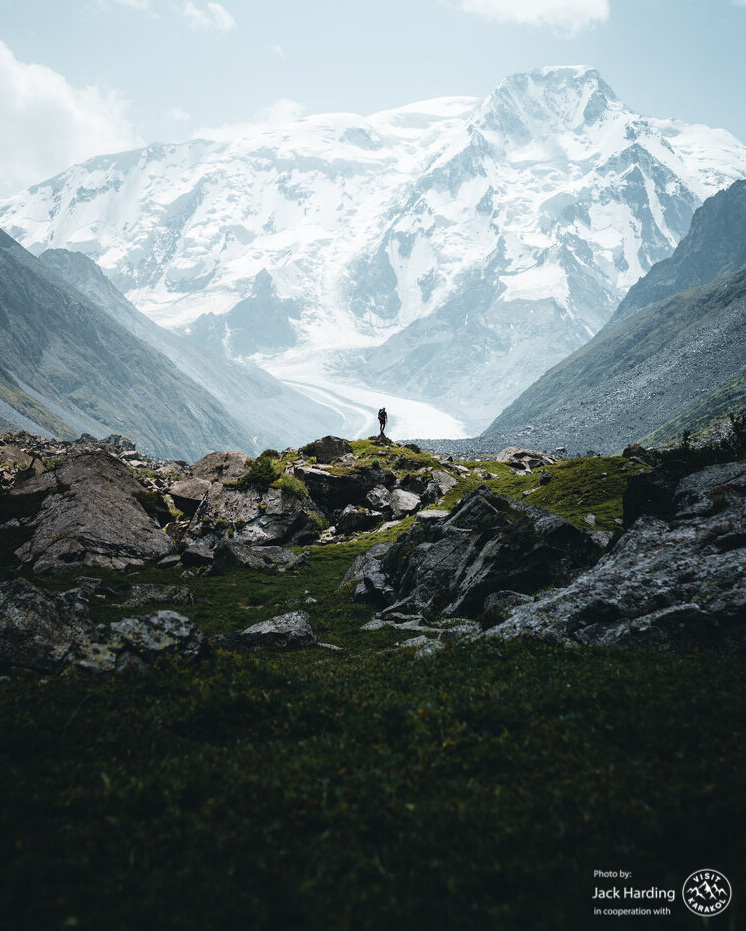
477 789
578 487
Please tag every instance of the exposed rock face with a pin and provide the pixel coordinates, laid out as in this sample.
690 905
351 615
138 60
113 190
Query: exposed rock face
254 517
677 584
715 245
37 628
333 492
137 642
91 515
488 543
635 451
372 583
652 492
287 630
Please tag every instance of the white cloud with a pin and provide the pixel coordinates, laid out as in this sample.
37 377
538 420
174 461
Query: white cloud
568 15
143 5
214 16
280 51
282 111
178 115
48 125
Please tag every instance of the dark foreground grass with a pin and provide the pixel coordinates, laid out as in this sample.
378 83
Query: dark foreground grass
479 788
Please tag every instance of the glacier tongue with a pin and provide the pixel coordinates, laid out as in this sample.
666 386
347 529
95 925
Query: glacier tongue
446 253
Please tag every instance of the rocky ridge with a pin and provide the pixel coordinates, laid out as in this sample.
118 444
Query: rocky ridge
493 565
87 503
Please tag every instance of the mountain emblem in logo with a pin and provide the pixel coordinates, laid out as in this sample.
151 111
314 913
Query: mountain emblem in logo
706 892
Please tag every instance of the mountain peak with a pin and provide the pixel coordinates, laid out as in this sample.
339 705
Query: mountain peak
548 100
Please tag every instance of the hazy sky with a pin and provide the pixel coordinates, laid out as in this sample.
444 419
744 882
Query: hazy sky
83 77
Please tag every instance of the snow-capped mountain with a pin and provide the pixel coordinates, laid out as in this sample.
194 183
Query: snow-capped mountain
446 253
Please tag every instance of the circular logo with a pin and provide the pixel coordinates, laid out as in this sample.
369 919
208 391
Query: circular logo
706 892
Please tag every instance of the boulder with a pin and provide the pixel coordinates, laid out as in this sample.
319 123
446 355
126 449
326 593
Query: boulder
443 481
488 543
403 503
288 631
327 449
652 492
677 584
197 555
379 498
90 514
332 492
221 467
188 493
38 628
635 451
354 519
232 554
253 517
137 642
524 460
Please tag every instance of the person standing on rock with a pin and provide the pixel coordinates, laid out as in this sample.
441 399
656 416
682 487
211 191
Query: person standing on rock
382 418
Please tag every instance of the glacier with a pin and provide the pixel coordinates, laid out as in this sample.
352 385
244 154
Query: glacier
438 257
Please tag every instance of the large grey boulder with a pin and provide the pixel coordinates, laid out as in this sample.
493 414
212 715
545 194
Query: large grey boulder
91 513
677 584
403 503
524 460
137 642
232 554
221 466
188 493
38 628
327 449
488 543
288 631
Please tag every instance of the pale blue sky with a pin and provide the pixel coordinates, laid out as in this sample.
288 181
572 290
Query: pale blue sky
112 74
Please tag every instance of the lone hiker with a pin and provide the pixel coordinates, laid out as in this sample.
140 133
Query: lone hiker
382 418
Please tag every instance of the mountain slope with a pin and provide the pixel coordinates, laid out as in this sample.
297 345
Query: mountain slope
714 246
68 367
650 366
272 414
632 378
448 252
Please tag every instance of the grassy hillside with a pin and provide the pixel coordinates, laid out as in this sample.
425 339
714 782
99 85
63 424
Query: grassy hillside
364 789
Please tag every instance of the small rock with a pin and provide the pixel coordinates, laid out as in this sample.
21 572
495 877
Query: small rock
155 593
